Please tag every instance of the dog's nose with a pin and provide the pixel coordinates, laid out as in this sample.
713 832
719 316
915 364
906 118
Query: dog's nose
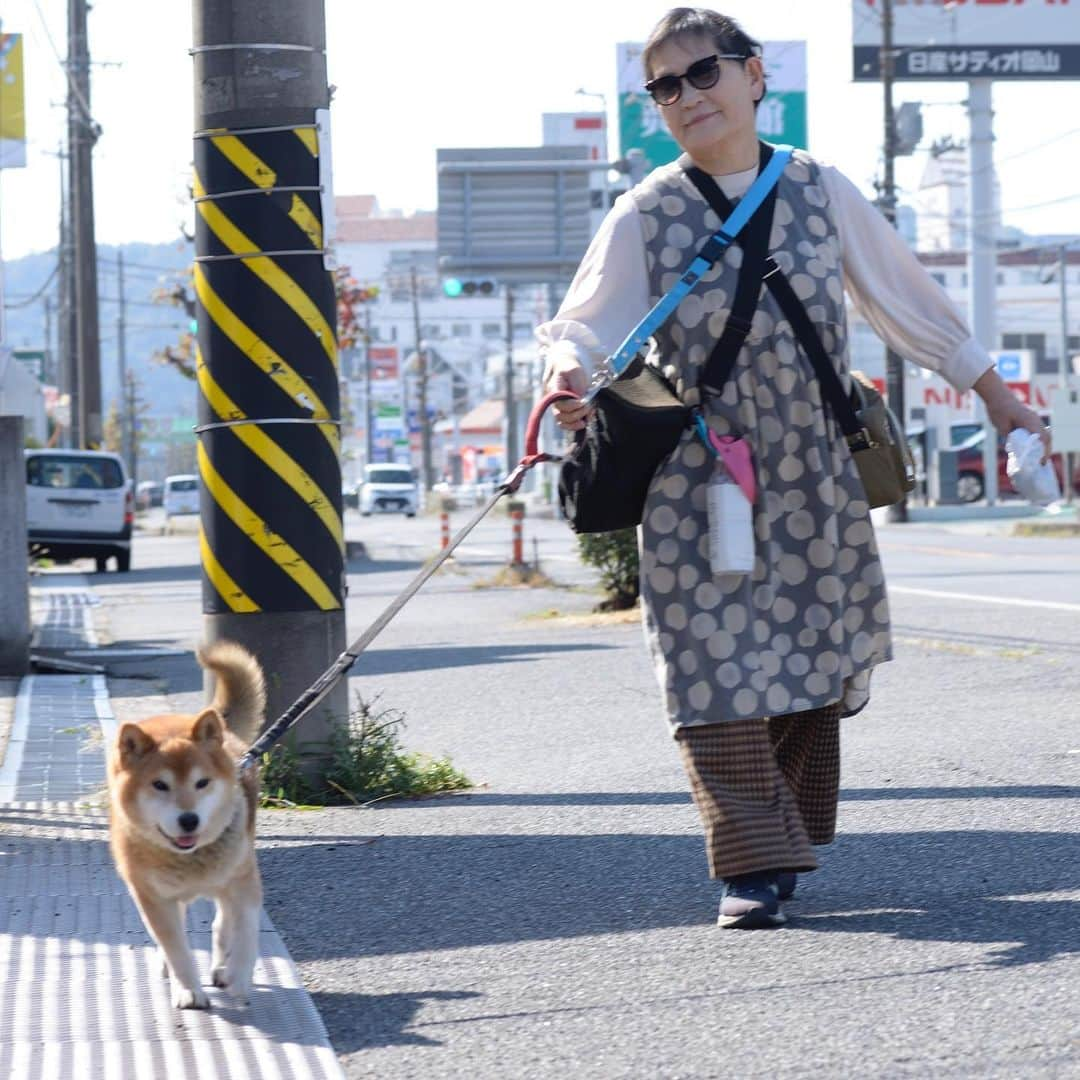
188 822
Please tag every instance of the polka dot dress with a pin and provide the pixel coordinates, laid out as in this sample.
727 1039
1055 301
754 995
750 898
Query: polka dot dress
806 627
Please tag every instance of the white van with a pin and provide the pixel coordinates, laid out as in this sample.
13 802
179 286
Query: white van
389 489
180 495
79 504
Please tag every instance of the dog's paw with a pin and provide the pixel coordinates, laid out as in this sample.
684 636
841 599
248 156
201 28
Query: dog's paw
237 985
163 963
183 998
220 977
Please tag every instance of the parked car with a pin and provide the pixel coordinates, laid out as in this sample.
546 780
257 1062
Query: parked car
79 504
148 494
388 489
971 473
180 495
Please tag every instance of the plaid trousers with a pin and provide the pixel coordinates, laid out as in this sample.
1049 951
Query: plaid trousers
766 789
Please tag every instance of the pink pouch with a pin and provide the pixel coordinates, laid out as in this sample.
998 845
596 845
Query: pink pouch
735 453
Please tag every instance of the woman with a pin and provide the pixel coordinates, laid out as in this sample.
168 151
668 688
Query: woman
757 668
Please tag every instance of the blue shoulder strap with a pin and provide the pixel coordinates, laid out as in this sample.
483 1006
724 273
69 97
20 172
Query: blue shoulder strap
712 250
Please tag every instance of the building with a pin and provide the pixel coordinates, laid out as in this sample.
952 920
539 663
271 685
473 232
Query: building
464 339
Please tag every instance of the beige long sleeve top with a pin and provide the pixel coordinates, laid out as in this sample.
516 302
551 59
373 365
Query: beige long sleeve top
902 303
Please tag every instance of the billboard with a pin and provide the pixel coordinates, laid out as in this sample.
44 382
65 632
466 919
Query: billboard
515 214
970 39
781 117
12 106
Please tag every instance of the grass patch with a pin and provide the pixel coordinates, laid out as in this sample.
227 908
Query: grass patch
517 575
367 763
622 617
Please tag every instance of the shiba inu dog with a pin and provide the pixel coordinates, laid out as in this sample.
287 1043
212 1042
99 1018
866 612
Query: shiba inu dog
182 824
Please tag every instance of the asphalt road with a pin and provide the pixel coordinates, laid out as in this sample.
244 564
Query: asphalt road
559 920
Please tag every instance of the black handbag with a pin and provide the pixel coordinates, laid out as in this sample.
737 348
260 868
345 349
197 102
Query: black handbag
638 419
637 422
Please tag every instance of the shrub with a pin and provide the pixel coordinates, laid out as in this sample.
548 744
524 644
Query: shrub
367 762
615 555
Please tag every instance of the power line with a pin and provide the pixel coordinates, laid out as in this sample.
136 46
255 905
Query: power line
37 296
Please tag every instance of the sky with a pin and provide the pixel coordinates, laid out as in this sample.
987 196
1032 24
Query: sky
411 77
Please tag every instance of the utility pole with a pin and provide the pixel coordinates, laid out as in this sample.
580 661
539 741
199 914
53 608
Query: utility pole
130 412
422 386
269 407
1063 363
894 363
982 257
50 356
369 438
127 432
510 406
67 374
83 132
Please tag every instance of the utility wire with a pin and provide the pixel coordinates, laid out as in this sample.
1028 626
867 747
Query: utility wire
84 105
27 301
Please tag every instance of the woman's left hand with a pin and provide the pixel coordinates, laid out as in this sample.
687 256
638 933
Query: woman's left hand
1007 412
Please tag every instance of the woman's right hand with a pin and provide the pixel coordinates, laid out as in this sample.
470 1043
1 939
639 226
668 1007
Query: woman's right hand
566 373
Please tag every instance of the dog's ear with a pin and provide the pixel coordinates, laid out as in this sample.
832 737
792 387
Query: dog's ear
133 742
208 727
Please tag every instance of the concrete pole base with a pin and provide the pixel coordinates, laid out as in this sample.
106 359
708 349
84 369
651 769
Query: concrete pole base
294 649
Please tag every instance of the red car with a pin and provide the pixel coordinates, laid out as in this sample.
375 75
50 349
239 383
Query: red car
969 484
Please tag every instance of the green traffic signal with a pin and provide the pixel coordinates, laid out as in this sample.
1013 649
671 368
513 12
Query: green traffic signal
452 287
193 326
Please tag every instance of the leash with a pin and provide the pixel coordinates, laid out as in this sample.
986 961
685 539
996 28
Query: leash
333 674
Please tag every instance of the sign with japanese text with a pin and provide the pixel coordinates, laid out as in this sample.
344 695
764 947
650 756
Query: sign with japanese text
383 362
781 117
970 39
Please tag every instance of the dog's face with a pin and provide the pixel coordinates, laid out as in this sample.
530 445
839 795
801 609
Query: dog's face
173 780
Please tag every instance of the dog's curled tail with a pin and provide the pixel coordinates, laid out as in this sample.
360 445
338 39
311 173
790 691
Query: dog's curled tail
240 693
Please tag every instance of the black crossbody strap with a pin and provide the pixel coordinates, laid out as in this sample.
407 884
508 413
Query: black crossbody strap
831 387
754 241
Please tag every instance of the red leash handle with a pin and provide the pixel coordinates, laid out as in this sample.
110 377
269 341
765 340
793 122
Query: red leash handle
532 429
533 455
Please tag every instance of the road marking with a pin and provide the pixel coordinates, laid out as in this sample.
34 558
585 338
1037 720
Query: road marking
1008 601
114 652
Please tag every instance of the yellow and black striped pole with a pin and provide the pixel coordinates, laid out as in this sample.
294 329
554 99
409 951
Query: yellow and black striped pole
268 452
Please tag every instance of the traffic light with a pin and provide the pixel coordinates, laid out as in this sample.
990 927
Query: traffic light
455 287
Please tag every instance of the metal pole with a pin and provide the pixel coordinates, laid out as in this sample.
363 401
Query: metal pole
422 386
509 403
272 544
369 442
1063 364
82 134
894 363
982 257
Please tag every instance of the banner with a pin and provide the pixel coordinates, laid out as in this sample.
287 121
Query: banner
12 106
781 116
970 39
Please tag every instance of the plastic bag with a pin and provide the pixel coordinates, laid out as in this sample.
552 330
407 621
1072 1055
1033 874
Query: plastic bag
1037 482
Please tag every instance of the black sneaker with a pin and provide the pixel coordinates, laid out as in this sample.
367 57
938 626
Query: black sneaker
785 884
750 902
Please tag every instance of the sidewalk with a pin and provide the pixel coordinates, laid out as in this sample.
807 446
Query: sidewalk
81 994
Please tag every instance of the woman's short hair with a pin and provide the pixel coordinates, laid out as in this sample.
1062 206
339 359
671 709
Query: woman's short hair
724 32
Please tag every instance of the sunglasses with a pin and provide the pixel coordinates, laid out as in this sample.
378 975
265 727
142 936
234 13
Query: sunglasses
701 75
